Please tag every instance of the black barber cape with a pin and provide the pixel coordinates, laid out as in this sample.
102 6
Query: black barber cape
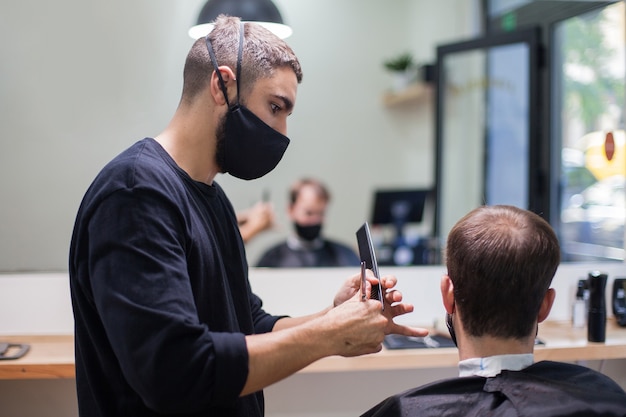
541 390
328 254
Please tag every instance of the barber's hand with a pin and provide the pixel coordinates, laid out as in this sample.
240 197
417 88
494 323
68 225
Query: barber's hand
356 327
350 287
393 301
394 307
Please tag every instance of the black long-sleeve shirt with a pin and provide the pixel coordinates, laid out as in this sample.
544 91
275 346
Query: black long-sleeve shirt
160 294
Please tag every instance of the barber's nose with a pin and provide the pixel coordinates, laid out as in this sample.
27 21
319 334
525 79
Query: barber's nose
282 128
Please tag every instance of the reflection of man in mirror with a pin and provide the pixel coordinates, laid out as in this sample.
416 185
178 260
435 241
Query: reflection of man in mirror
308 200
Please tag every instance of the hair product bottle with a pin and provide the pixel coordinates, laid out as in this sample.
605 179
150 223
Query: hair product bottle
596 321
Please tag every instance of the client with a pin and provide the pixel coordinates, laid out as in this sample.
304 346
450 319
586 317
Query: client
501 261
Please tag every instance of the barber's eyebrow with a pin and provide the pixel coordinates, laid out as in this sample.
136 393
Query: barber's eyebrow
287 103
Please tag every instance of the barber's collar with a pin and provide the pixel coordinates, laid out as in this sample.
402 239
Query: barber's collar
493 365
296 243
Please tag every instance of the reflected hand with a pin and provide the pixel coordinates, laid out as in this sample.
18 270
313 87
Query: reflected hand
256 219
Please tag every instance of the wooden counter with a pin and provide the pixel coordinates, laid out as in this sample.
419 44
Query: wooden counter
53 356
49 357
562 343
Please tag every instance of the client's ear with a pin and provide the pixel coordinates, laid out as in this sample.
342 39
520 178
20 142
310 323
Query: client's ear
546 305
447 294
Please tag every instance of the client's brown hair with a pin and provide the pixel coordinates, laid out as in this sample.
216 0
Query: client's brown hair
501 260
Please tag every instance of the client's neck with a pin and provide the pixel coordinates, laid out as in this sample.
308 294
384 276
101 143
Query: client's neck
484 346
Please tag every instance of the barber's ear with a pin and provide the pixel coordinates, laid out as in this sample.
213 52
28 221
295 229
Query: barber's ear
546 305
216 89
447 293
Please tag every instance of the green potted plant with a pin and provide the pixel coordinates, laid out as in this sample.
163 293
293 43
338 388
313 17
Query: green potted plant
402 69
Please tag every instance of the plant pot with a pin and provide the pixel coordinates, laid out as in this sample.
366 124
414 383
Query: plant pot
401 79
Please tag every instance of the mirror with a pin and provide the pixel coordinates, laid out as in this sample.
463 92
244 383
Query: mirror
76 92
80 84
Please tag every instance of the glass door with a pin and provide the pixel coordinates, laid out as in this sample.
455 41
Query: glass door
486 127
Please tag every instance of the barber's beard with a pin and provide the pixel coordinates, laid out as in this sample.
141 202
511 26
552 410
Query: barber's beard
220 143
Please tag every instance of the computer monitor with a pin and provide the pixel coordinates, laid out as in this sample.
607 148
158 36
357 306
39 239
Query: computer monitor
399 207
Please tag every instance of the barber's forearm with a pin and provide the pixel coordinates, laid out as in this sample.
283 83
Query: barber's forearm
288 322
279 354
350 329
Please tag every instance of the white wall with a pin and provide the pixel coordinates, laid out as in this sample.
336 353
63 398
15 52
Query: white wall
39 303
81 81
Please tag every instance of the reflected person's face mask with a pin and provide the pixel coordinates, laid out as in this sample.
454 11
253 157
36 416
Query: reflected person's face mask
310 232
247 148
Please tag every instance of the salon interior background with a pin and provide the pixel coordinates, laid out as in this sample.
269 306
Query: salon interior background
81 81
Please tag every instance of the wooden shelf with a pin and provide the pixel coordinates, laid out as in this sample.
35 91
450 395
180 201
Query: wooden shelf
414 93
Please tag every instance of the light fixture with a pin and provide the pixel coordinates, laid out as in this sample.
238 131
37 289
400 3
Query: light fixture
263 12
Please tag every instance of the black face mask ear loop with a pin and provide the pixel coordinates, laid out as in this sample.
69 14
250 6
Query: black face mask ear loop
215 66
239 58
450 327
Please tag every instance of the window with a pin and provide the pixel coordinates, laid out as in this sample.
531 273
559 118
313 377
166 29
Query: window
588 119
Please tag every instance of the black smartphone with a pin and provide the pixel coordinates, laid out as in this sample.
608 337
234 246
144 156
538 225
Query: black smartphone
368 255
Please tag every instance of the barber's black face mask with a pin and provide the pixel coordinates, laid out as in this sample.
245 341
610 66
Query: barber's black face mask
250 147
310 232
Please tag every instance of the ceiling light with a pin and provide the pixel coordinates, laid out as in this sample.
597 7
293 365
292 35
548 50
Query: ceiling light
263 12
